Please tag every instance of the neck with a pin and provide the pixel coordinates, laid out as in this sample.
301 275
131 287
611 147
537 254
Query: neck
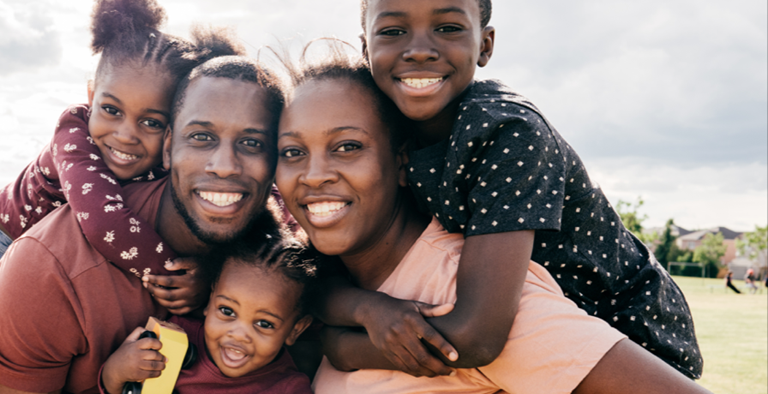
372 266
440 127
172 228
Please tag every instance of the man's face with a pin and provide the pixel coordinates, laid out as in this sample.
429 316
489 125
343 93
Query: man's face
222 153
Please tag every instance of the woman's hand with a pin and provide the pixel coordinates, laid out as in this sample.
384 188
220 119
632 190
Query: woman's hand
134 361
398 330
179 294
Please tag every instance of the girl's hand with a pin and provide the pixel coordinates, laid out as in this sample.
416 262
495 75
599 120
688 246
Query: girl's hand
134 361
398 329
179 294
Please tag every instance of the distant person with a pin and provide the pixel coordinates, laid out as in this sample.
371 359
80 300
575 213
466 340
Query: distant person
729 282
749 280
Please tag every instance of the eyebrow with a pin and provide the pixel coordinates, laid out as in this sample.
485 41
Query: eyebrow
150 110
210 125
335 130
439 11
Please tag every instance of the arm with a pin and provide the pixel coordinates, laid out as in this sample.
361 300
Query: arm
95 194
628 368
134 361
8 390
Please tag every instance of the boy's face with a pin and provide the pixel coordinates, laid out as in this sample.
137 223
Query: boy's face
130 109
423 53
251 314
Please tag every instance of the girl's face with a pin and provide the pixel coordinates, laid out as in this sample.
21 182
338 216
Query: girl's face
336 170
251 314
130 110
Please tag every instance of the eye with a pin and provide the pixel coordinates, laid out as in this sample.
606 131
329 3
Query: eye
392 32
291 152
264 324
448 29
251 143
348 147
153 123
201 137
226 311
110 110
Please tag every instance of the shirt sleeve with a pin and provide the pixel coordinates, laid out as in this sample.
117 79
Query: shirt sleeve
515 170
41 330
94 193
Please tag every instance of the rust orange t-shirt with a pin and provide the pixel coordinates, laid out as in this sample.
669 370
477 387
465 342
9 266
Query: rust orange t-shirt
65 308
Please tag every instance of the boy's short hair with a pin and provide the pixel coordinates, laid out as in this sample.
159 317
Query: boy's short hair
277 252
239 68
485 12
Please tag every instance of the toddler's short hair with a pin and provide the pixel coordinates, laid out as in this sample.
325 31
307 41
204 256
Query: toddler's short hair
485 12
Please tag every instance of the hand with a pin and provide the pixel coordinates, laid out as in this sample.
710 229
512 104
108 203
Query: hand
134 361
398 329
180 294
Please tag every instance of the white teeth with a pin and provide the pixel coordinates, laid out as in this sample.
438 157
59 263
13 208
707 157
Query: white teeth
122 155
221 199
326 208
420 82
234 354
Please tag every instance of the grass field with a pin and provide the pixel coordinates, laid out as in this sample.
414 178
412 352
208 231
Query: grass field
733 335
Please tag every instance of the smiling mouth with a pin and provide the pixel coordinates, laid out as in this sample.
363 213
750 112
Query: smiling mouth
122 155
326 208
220 199
420 83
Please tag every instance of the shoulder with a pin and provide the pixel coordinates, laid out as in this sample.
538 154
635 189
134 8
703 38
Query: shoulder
436 243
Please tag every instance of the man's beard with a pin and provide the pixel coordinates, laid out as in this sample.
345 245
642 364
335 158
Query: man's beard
211 238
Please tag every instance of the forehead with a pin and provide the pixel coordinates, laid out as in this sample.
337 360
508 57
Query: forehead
420 8
258 287
328 104
132 77
225 103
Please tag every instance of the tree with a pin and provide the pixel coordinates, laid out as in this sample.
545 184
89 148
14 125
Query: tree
754 244
666 244
709 253
631 219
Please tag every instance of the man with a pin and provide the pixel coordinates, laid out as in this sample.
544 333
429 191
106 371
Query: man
66 308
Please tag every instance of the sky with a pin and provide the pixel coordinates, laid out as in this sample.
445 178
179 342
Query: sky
664 100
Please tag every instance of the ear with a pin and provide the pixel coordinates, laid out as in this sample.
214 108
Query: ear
91 90
167 142
402 165
298 328
486 47
364 43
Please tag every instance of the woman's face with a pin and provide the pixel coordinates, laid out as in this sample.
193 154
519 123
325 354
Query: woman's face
336 170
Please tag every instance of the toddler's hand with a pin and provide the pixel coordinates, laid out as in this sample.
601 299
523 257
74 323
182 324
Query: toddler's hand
180 294
398 329
134 361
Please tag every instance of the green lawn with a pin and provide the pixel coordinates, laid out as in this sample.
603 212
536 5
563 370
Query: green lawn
733 335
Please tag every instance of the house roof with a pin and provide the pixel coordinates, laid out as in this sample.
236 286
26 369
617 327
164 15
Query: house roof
697 235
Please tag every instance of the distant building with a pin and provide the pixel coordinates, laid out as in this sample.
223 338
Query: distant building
692 240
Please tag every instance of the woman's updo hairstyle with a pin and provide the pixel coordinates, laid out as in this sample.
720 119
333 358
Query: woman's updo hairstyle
127 31
338 64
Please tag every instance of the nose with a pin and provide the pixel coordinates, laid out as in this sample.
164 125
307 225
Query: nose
421 49
126 133
318 172
239 333
223 161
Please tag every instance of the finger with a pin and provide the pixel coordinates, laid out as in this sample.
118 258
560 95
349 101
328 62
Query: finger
134 336
152 365
412 366
425 359
181 263
162 293
428 333
428 310
163 280
150 344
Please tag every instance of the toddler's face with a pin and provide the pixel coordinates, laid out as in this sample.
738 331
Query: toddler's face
423 53
336 170
130 109
251 314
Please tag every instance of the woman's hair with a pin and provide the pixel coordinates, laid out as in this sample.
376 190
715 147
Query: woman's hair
279 252
126 31
485 12
339 65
